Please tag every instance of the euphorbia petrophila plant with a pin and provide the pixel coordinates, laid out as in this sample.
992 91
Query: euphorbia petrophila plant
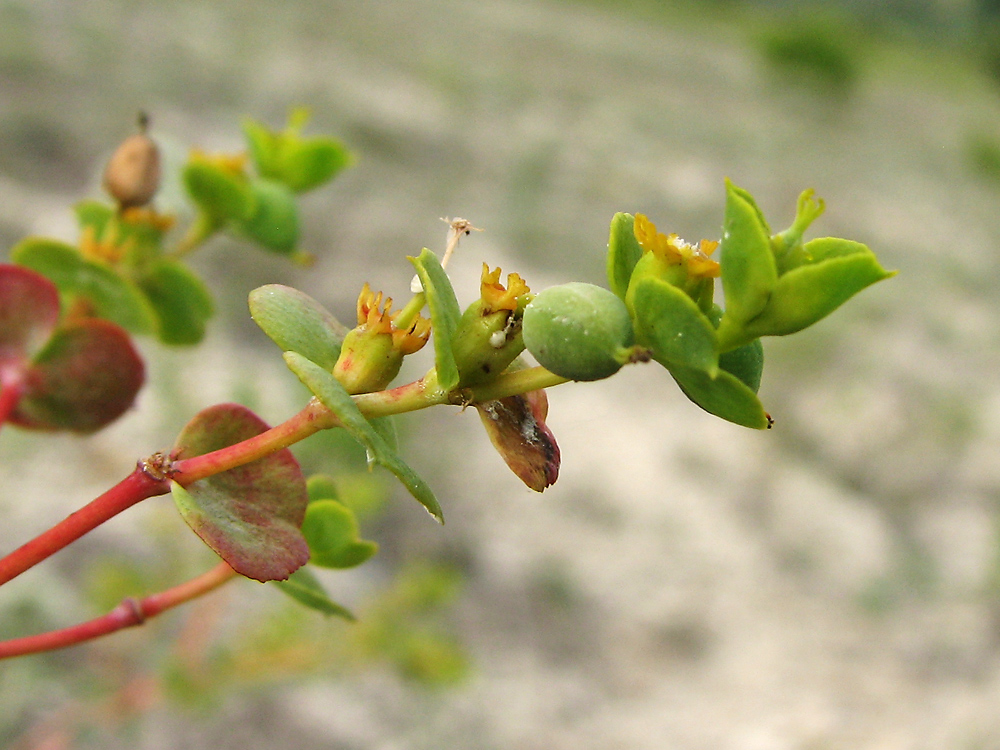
231 476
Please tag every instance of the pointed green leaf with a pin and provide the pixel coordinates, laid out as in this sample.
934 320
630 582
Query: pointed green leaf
810 292
250 515
333 396
669 322
304 588
297 323
110 295
624 252
274 223
29 310
307 163
182 302
386 428
265 148
748 269
86 376
726 396
331 531
746 363
445 315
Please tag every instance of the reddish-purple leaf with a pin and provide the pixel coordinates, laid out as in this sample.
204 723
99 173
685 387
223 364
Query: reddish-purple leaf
85 377
516 427
250 516
29 310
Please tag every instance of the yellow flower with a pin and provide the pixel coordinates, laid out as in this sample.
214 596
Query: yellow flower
375 317
672 250
109 248
235 164
149 217
495 296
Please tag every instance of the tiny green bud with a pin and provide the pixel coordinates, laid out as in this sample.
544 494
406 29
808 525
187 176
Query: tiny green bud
488 335
372 353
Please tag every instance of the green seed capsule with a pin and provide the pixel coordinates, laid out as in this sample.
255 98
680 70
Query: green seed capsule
578 331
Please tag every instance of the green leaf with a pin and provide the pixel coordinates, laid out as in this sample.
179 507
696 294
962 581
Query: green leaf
300 163
218 192
669 322
331 531
333 396
307 163
303 587
95 215
250 515
725 396
386 428
265 148
111 296
182 302
748 268
808 293
29 311
746 363
624 252
445 315
321 487
86 376
274 223
297 323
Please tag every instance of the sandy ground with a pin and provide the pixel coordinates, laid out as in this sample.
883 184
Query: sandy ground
686 584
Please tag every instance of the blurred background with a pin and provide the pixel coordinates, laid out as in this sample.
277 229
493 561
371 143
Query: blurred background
831 583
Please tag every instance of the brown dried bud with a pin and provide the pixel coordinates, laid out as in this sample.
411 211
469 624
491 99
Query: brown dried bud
133 172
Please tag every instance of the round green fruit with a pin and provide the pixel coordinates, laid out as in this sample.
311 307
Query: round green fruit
578 331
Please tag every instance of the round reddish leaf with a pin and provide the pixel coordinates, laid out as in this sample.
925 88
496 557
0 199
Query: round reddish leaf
29 311
250 516
84 378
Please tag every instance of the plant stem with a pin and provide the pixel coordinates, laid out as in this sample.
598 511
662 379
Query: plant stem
310 420
129 613
141 483
199 231
136 487
513 383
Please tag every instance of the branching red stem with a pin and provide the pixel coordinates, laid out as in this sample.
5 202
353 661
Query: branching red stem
310 420
136 487
129 613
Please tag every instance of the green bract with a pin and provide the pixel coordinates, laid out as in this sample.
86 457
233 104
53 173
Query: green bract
669 322
778 285
624 252
300 163
578 331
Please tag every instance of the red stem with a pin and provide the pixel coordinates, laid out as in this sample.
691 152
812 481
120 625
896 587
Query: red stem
310 420
127 614
135 487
